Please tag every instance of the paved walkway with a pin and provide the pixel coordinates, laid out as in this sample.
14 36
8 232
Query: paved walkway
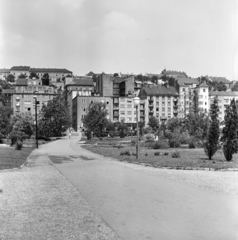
37 202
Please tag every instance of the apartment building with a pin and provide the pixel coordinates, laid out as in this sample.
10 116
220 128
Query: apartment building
159 101
18 70
6 96
4 73
201 98
186 90
23 99
224 99
80 106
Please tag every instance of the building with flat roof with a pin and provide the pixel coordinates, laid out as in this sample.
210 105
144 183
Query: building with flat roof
224 99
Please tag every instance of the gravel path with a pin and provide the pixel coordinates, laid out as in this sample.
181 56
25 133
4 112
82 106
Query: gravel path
37 202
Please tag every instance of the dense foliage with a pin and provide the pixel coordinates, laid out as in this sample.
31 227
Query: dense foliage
95 121
5 114
54 118
213 133
229 132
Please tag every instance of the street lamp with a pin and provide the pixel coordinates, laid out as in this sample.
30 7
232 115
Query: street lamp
36 102
136 103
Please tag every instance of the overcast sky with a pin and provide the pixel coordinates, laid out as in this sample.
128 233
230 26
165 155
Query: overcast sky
199 37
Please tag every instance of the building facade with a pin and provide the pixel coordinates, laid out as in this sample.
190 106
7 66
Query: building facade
202 98
224 99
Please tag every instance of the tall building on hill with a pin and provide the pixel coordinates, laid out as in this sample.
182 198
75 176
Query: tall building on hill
224 99
4 73
18 70
201 98
160 102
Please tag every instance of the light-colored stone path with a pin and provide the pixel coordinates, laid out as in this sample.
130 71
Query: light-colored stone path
37 202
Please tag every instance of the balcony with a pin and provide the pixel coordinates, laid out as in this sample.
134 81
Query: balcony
116 105
175 100
115 114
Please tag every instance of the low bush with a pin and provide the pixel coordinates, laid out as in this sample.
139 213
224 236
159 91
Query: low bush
191 143
126 153
174 143
146 154
175 154
149 136
18 145
39 137
166 153
184 138
133 142
156 153
160 144
1 138
147 130
15 136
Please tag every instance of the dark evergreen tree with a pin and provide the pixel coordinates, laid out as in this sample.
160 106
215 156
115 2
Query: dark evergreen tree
153 122
213 133
229 132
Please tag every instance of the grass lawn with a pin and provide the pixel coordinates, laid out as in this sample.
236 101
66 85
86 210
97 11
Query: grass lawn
190 158
11 158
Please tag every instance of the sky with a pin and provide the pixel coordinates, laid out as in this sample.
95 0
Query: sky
199 37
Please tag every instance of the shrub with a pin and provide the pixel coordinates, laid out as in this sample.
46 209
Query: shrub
175 154
174 143
166 153
133 142
126 153
122 133
88 134
146 154
147 130
191 143
149 136
18 145
160 144
15 136
112 134
184 138
156 153
39 137
1 138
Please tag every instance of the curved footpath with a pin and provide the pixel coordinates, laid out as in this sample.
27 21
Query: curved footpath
37 202
137 202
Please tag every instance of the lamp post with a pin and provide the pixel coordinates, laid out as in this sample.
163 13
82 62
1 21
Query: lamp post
136 103
36 102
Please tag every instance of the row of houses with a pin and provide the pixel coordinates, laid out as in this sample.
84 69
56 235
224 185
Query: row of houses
16 71
175 98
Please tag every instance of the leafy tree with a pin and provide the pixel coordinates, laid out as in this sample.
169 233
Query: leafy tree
22 122
153 122
5 114
122 127
22 76
173 124
229 132
235 87
33 75
17 136
96 118
154 79
54 118
221 87
197 124
10 78
115 75
212 138
45 79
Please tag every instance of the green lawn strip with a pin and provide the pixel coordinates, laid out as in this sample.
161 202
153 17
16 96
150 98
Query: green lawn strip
189 158
11 158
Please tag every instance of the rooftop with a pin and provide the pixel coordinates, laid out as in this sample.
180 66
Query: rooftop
81 82
50 70
20 68
187 81
223 93
4 70
22 82
158 91
219 79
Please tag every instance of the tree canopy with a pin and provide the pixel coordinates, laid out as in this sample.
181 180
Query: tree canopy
54 119
213 133
10 78
5 114
45 79
153 122
96 118
33 75
229 132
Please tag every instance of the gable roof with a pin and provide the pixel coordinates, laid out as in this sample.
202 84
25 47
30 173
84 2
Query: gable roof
4 70
223 93
158 91
22 82
50 70
81 82
203 84
20 68
187 81
219 79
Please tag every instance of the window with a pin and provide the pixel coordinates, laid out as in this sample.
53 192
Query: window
122 112
27 102
200 102
157 109
163 109
129 105
204 90
122 105
129 119
205 103
129 112
122 100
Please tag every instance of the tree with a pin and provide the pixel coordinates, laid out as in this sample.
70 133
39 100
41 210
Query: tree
22 122
197 124
5 114
154 79
45 79
96 118
54 119
220 87
122 127
115 75
33 75
213 133
10 78
22 75
173 124
153 122
235 87
229 132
